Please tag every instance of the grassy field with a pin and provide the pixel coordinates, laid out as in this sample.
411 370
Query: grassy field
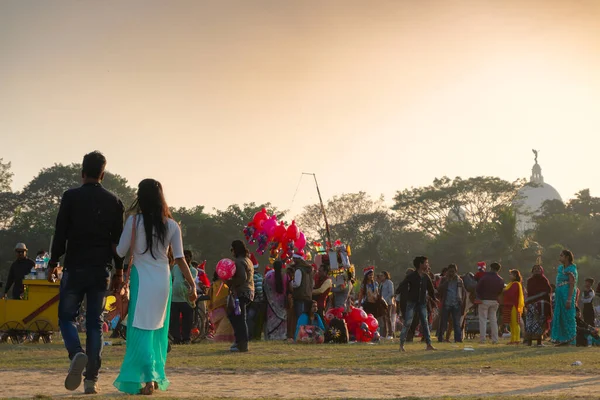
362 359
378 358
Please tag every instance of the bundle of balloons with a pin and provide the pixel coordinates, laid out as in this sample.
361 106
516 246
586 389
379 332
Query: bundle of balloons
362 326
268 233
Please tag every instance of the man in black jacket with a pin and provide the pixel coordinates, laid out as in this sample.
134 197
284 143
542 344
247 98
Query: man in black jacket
419 287
18 270
88 228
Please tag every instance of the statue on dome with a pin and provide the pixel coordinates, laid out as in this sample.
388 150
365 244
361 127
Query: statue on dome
536 154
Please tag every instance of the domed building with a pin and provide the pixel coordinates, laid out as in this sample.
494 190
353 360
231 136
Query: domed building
456 214
530 198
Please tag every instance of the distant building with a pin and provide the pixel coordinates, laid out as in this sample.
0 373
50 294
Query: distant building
531 197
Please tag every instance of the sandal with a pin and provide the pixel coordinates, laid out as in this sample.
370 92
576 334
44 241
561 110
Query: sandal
148 390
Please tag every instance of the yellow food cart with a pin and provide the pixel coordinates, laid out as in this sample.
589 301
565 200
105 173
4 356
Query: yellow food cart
36 314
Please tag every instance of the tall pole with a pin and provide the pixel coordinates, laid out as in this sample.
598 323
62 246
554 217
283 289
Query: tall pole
322 208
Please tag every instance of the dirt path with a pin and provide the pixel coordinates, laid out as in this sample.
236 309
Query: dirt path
26 384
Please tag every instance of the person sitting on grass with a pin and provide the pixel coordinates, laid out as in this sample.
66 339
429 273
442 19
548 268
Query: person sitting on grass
310 328
584 330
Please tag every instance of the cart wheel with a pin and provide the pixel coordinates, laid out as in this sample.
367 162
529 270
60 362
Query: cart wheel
47 338
13 331
41 326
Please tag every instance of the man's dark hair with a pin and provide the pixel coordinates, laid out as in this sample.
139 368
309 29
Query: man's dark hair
495 267
187 253
453 266
418 261
93 165
40 253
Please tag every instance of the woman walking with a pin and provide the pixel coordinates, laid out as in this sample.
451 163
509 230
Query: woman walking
275 287
538 306
564 326
513 306
149 233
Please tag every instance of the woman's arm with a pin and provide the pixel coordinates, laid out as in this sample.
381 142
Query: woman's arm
571 289
125 240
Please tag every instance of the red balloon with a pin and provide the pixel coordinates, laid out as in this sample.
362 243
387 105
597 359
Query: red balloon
259 218
292 231
225 269
300 243
372 323
270 225
279 232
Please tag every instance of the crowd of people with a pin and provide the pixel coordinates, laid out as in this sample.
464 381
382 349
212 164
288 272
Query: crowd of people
291 300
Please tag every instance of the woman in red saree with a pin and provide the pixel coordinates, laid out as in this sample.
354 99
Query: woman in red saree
514 302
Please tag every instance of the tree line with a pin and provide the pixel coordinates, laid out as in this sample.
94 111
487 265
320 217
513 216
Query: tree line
460 221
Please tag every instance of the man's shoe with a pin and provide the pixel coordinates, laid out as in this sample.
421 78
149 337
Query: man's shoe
233 347
90 387
74 377
402 350
430 348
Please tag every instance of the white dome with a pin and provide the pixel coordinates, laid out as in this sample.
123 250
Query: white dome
529 201
456 214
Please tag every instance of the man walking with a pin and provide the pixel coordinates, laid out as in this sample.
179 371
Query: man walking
419 285
88 228
488 289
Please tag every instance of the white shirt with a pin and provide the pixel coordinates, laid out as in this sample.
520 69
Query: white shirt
589 298
297 279
153 272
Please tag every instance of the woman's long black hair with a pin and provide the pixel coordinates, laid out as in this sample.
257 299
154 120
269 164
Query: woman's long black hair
277 266
150 202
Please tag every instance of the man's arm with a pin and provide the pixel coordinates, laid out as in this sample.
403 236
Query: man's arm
479 288
430 288
326 285
11 279
402 285
59 243
297 279
115 234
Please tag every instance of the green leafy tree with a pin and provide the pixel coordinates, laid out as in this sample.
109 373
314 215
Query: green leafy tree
478 200
40 199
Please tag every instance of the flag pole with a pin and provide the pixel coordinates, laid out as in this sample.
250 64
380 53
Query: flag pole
322 207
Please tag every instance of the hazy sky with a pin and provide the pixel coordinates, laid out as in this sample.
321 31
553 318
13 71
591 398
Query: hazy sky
229 101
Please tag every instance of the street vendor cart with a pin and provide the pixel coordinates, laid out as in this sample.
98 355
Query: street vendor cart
36 314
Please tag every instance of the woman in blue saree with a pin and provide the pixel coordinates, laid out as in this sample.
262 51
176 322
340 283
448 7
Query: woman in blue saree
564 326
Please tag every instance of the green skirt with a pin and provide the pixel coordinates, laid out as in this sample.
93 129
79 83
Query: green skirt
146 352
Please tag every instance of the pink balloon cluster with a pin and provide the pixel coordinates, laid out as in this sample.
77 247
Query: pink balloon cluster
270 234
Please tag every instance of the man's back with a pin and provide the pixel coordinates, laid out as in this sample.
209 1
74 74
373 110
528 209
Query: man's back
89 222
490 286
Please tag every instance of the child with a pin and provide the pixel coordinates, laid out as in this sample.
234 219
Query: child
588 297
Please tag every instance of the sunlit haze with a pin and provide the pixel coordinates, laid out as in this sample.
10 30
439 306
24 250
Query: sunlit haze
230 101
